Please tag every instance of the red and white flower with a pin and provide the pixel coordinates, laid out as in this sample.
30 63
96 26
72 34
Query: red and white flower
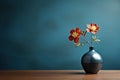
93 28
75 34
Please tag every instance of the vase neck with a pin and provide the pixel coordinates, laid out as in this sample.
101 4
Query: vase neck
91 48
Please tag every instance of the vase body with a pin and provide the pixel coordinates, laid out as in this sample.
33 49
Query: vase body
91 61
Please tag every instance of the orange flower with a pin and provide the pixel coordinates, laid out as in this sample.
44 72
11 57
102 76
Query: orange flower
75 34
93 28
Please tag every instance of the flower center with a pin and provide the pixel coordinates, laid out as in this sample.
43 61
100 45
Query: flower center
74 34
93 28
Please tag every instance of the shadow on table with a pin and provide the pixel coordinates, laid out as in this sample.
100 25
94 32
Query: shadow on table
76 73
79 73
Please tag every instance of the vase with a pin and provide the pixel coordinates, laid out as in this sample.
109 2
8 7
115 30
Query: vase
91 61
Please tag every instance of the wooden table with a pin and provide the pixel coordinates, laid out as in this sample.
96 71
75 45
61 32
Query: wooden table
58 75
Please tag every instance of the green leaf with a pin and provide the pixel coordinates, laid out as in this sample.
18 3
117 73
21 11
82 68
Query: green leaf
79 44
82 44
84 33
97 40
94 38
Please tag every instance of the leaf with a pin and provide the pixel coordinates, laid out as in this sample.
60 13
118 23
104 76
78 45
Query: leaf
82 44
79 44
84 33
97 40
94 38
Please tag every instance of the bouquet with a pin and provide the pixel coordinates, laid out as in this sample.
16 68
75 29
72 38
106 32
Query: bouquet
75 35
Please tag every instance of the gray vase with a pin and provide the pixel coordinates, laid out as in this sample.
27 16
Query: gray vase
91 61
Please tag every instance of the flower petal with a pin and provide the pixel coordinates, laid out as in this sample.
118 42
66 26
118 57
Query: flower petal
93 28
71 31
97 28
88 25
88 30
79 34
70 37
93 32
78 30
76 40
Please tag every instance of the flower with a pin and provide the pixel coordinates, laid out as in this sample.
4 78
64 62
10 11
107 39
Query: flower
74 35
93 28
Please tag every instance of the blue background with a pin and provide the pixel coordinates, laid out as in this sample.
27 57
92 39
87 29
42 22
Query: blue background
34 33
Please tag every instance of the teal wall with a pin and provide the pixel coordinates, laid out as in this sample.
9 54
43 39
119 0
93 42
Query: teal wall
34 33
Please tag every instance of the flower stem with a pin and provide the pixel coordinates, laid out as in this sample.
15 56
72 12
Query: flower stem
87 41
91 39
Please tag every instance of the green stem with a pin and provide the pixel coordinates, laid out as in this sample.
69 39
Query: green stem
91 39
87 41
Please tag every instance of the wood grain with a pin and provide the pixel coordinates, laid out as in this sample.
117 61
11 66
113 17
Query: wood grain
58 75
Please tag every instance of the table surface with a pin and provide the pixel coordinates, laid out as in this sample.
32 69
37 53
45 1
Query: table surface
58 75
